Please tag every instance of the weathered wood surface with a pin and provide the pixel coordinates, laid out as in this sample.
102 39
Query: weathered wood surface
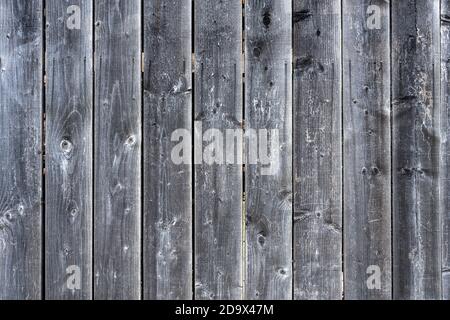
367 148
21 63
268 92
117 203
218 187
445 146
69 94
360 186
317 150
415 142
167 185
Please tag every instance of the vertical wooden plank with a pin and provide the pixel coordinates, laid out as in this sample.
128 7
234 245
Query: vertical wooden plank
268 92
69 70
117 150
445 146
21 141
317 150
367 149
218 187
167 184
415 104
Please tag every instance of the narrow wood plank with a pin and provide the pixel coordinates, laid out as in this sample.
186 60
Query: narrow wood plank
268 92
415 107
445 146
167 183
218 187
367 150
117 252
317 150
21 57
69 94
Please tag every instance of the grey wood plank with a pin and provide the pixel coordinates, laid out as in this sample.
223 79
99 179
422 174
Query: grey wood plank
21 63
416 112
445 146
69 94
167 184
218 187
268 92
117 204
317 150
367 149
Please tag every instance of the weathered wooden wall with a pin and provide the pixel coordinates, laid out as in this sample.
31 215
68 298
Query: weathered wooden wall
93 205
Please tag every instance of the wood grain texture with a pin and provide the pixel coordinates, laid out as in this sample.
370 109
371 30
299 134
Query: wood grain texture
21 142
117 233
218 187
317 150
367 149
167 185
69 94
268 96
415 107
445 146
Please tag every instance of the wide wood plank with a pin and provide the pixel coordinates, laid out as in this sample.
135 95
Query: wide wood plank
445 146
117 233
21 57
218 186
268 186
69 94
317 150
415 142
367 150
167 183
